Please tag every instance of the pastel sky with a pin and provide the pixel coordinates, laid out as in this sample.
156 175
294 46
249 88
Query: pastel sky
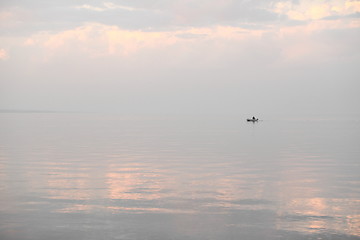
181 56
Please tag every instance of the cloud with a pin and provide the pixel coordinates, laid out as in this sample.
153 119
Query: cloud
190 35
13 18
3 54
304 10
334 17
18 17
89 7
190 13
5 16
96 40
108 6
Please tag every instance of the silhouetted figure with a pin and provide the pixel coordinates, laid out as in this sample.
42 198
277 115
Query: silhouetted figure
253 119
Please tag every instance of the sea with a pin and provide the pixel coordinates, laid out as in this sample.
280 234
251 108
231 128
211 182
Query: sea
74 176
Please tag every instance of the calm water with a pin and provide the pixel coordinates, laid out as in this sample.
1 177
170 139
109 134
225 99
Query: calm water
84 176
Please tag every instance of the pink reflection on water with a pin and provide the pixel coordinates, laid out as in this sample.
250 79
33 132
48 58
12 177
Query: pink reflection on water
305 180
189 187
150 209
134 182
66 185
74 208
316 214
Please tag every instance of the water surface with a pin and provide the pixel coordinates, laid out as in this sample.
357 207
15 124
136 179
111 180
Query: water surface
88 176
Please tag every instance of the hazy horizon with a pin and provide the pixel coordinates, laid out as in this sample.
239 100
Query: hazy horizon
180 57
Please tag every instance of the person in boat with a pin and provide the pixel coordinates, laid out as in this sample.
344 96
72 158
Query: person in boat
253 118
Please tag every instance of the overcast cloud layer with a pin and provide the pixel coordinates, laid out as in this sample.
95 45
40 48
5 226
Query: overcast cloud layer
181 56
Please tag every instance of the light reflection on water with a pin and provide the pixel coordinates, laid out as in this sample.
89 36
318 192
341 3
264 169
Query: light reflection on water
178 178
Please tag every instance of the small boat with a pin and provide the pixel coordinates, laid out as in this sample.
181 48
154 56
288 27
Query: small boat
252 119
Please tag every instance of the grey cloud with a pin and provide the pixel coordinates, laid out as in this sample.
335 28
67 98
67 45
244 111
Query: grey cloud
348 16
44 16
155 15
191 35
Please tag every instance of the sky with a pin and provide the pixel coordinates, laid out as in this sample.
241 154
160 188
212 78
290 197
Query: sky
181 56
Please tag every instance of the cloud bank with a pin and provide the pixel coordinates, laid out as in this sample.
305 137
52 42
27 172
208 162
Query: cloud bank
180 56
